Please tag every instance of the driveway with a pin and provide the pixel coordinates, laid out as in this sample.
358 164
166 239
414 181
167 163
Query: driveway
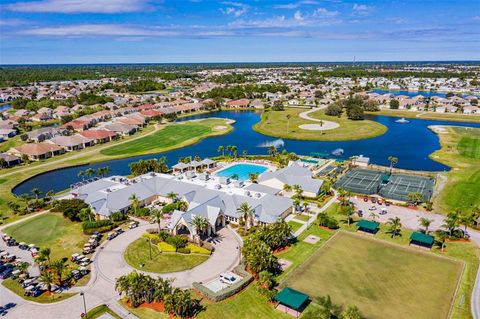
108 264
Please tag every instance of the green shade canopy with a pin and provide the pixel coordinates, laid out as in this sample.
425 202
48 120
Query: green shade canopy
368 224
319 154
385 178
422 238
291 298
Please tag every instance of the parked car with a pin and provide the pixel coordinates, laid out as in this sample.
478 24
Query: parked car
6 273
132 225
227 278
373 208
111 236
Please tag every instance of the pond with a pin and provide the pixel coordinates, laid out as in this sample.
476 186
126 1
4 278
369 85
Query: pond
411 143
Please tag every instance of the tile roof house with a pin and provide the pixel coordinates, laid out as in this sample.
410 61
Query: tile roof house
10 160
36 151
238 103
99 136
72 143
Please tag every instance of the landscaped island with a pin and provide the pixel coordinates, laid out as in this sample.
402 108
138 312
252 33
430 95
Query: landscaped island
285 124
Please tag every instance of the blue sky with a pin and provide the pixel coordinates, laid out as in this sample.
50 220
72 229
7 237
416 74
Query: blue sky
136 31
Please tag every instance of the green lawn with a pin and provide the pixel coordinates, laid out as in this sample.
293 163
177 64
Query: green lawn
138 254
382 279
274 123
172 136
301 217
15 287
295 225
50 230
461 151
100 310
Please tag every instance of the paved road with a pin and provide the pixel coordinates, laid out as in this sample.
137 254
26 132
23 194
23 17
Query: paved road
108 264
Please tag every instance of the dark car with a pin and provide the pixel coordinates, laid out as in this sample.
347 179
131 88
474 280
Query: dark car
6 273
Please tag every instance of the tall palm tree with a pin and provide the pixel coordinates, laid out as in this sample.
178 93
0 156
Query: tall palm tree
352 312
451 222
59 267
393 161
221 149
45 253
287 188
348 211
288 116
247 214
425 223
36 193
329 310
395 226
173 196
272 150
26 198
134 201
47 279
89 172
199 223
466 219
156 215
81 174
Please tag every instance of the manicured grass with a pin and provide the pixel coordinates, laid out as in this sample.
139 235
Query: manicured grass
172 136
295 225
274 123
15 287
138 254
100 310
144 313
301 217
51 230
247 304
455 117
383 280
461 151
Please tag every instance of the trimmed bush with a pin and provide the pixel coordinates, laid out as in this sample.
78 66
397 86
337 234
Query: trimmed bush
164 247
177 241
230 290
197 249
184 250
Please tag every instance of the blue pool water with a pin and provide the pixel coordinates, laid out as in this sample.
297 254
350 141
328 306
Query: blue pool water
242 170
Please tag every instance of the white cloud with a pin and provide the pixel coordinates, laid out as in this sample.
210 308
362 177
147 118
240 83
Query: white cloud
235 9
95 30
295 5
298 16
79 6
362 9
12 22
323 13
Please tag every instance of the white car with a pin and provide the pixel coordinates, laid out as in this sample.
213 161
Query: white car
227 278
373 208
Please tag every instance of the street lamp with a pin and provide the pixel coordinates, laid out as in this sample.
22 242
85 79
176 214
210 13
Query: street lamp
84 304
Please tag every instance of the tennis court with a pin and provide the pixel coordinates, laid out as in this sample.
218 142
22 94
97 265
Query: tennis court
399 186
395 186
360 181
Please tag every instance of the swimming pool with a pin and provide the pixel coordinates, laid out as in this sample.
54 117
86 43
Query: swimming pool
242 170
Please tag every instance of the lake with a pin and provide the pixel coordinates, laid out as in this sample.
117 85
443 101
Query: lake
411 143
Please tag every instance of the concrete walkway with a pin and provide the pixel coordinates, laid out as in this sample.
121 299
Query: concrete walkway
325 125
314 216
108 264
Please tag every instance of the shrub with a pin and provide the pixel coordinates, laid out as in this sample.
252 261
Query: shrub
198 250
164 247
70 208
327 221
118 217
184 250
100 226
152 231
177 241
163 235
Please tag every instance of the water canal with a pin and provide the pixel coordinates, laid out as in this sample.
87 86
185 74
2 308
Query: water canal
411 143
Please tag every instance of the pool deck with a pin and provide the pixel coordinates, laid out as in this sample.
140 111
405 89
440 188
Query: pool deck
221 166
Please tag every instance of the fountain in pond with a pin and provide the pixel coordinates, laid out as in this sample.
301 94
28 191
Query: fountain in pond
402 121
278 143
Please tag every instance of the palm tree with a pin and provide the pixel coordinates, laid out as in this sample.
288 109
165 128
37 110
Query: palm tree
234 176
441 237
253 177
373 216
451 222
352 312
82 175
49 195
247 214
26 198
173 196
47 279
221 149
466 219
348 211
425 222
59 267
288 116
45 254
329 310
306 206
395 226
287 188
234 150
90 172
199 223
156 215
272 150
23 267
298 190
36 193
134 202
393 161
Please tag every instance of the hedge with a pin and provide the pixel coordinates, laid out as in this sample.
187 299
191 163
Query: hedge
198 250
164 247
184 250
230 290
100 226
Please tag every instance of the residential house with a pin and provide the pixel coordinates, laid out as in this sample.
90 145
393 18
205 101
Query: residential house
72 143
36 151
